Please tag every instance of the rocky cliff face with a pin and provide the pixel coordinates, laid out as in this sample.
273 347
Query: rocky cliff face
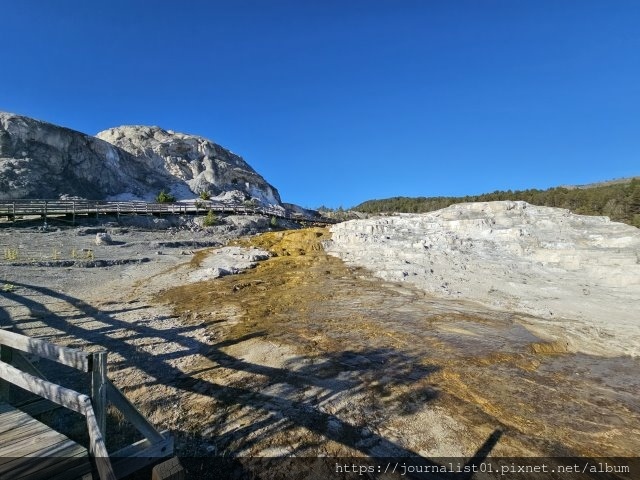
577 276
42 160
198 162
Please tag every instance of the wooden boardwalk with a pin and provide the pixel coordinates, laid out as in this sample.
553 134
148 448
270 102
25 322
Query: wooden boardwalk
13 209
28 447
31 450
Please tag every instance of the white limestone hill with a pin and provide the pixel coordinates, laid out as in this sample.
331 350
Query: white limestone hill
43 160
577 276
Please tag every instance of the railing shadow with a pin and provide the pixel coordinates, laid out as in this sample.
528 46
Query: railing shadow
279 396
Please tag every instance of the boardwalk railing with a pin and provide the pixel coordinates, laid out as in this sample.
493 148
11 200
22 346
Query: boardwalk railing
16 369
44 208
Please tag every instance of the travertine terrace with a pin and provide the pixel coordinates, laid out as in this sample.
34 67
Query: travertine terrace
579 276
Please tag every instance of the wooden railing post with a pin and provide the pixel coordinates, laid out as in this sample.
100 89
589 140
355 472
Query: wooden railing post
99 389
6 355
97 445
25 376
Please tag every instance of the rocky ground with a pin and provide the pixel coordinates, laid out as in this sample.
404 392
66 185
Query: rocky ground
306 355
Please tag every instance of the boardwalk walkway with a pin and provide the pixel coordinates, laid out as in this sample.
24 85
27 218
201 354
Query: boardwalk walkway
17 208
27 444
31 450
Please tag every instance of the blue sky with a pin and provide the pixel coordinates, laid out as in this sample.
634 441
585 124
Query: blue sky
337 102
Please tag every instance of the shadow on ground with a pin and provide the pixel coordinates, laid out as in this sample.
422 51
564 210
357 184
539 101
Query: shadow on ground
277 400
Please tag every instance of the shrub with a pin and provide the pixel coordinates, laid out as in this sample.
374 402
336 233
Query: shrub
210 219
204 195
164 197
273 222
11 254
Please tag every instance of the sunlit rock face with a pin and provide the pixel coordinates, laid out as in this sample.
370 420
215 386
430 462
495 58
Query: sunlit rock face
577 276
198 162
43 160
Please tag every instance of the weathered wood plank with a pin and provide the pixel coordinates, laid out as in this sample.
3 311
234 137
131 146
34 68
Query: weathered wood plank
71 466
66 356
145 448
34 451
27 434
26 428
98 448
99 389
132 414
62 396
80 470
70 463
61 449
12 418
141 454
37 407
9 418
37 443
74 474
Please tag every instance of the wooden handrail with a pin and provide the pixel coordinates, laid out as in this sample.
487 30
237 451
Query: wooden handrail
70 399
156 444
54 393
66 356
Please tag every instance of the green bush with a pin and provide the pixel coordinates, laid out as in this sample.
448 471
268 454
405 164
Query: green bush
273 222
164 197
204 195
210 219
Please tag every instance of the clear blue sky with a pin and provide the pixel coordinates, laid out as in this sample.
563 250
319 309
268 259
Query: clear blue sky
337 102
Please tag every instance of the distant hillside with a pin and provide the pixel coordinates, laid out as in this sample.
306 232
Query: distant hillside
619 200
600 184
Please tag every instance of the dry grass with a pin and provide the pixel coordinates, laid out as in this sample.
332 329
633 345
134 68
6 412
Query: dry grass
11 254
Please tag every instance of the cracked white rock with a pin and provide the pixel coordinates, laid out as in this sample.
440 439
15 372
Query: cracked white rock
578 275
227 261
